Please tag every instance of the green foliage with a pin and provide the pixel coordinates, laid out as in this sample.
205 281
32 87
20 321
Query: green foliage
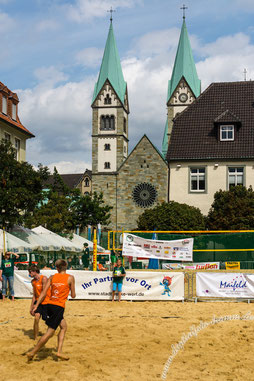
171 216
232 210
66 208
55 212
20 186
91 210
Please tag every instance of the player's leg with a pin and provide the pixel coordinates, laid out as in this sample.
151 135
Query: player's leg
4 286
43 340
61 335
120 285
113 291
36 325
11 286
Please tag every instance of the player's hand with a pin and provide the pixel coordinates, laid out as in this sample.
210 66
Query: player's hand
33 311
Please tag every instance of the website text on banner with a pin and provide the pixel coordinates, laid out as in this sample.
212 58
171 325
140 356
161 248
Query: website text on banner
225 285
177 250
97 285
192 266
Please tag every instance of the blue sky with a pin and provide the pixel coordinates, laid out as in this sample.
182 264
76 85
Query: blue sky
52 50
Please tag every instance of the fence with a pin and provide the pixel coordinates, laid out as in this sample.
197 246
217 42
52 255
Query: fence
209 246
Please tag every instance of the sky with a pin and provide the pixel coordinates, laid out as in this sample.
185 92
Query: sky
52 50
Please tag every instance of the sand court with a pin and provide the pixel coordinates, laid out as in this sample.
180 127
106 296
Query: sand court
130 341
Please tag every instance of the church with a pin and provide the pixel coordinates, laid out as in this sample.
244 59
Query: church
132 182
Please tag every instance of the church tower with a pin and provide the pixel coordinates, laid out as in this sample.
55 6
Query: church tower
183 87
110 109
110 113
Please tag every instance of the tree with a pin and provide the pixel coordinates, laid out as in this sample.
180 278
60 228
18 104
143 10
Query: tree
55 212
20 186
232 209
90 210
171 216
64 209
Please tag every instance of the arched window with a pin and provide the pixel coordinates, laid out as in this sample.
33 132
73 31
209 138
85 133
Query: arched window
86 182
107 100
106 147
124 125
107 123
107 165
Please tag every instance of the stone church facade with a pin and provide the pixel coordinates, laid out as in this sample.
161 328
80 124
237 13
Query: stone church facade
130 183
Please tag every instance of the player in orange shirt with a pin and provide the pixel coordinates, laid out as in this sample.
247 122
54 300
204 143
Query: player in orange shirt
60 284
39 283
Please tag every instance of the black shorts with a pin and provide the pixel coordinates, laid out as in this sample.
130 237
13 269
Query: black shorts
42 310
55 315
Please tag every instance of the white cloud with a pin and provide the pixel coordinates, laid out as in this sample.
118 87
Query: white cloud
66 167
60 118
6 22
47 25
89 57
49 76
84 10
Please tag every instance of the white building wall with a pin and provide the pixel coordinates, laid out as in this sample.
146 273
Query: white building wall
216 179
106 156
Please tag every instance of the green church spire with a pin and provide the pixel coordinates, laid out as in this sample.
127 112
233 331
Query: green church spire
111 68
184 66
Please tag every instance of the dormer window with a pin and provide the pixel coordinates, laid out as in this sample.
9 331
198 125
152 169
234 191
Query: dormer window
227 133
107 100
14 111
4 105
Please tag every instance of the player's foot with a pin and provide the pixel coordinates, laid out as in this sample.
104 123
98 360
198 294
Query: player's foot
30 356
62 357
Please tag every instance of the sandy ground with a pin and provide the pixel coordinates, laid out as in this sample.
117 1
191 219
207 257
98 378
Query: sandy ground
131 341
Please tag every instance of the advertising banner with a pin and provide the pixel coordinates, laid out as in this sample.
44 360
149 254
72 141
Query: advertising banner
177 250
232 265
225 285
192 266
97 285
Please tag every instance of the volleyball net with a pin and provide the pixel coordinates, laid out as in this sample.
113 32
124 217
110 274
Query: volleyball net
209 245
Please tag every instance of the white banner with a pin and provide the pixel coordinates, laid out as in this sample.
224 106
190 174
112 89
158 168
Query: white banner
225 285
177 250
137 285
192 266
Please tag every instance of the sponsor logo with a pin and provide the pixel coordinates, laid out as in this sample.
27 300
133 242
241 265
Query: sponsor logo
176 248
157 251
154 247
167 247
166 251
234 284
129 238
146 246
185 241
136 245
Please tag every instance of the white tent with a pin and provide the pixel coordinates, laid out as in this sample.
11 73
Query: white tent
13 243
56 240
79 241
36 240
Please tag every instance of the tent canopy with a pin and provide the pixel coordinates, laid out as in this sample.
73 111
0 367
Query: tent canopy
56 240
13 243
79 241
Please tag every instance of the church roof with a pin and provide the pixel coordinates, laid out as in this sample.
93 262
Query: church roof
111 68
184 66
196 131
165 141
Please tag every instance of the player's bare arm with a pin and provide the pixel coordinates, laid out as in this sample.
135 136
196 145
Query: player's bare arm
71 282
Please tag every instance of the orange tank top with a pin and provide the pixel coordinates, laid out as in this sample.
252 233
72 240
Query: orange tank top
37 285
59 289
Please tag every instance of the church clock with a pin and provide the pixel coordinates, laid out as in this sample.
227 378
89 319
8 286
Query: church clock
183 97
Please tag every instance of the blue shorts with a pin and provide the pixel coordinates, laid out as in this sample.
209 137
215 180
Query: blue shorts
119 286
